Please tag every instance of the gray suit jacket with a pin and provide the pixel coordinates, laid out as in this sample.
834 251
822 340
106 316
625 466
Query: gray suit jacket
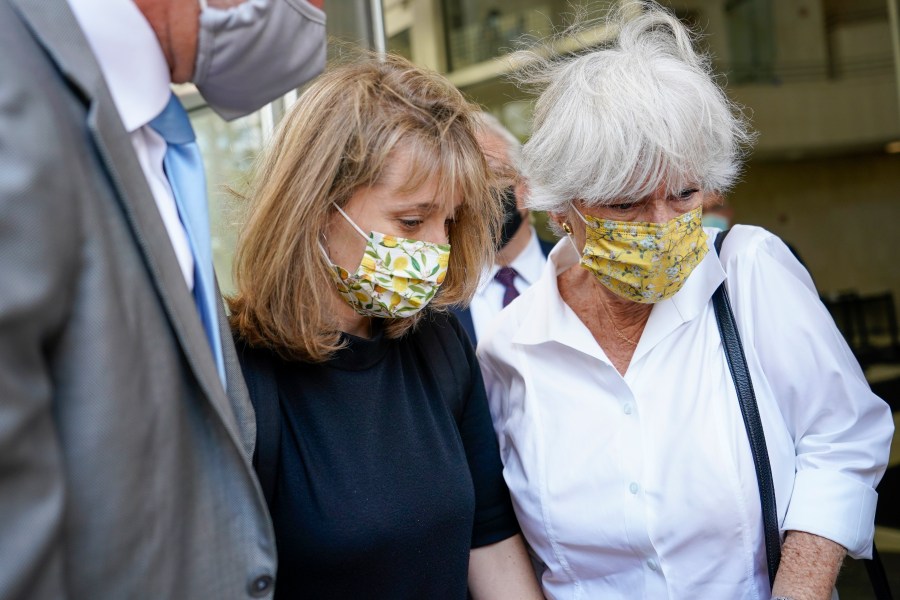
124 465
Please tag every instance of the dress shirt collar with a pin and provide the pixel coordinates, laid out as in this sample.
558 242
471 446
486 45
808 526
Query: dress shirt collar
528 265
130 58
549 318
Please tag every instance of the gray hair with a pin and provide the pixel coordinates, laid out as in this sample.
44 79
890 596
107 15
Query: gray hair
641 113
491 125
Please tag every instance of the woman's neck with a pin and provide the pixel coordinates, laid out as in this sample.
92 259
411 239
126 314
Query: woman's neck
348 320
615 323
626 314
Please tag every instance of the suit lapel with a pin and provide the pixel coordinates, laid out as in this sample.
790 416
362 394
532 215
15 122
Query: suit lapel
57 30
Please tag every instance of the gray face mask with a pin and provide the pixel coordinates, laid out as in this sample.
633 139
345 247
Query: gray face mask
256 51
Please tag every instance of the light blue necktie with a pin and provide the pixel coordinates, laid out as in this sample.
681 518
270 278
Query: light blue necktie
184 169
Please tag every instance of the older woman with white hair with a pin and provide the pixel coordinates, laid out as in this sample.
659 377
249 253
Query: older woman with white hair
623 441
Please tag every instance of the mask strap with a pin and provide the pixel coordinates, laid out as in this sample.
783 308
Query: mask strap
324 253
571 239
578 212
568 229
349 220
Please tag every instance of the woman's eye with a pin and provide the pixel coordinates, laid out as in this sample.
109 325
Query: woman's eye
686 194
623 206
410 224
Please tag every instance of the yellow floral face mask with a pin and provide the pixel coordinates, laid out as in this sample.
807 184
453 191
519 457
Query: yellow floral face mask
643 262
396 278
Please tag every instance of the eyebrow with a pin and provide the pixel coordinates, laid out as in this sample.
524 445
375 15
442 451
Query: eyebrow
418 206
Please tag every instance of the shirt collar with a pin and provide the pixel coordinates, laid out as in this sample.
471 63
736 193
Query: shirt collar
529 265
130 58
549 318
530 262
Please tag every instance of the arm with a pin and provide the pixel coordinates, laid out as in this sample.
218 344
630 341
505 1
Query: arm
839 431
502 570
499 566
809 567
39 229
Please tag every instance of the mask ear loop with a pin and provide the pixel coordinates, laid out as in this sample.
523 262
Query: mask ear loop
578 212
349 220
568 228
354 225
324 253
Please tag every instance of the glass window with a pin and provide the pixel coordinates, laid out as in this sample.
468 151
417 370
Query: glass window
229 150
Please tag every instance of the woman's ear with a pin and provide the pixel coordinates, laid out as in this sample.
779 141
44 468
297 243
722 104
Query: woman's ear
561 219
559 223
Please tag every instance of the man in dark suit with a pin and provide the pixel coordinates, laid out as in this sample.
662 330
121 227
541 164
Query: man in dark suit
126 433
521 254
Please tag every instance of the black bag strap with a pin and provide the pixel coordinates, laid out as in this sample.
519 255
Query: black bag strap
878 576
260 377
740 374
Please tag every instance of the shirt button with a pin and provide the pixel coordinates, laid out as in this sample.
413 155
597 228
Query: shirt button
634 487
652 564
260 586
627 408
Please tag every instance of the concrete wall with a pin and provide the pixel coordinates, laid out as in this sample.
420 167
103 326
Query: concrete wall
841 214
801 118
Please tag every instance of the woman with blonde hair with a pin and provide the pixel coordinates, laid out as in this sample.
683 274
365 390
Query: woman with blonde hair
614 381
371 213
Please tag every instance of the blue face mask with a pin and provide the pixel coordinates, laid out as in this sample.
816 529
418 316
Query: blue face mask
256 51
717 221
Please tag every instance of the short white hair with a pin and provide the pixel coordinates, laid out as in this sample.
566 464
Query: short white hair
641 113
491 125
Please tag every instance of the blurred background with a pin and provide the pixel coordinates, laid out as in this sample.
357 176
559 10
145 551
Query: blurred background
820 80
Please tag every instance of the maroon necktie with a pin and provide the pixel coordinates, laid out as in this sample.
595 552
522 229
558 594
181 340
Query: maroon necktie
505 276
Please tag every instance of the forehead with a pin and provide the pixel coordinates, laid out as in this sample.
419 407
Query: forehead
406 182
494 148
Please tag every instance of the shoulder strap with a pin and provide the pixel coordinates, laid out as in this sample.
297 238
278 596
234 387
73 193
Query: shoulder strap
260 376
740 374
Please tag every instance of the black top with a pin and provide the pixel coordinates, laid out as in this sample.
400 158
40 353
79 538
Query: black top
388 469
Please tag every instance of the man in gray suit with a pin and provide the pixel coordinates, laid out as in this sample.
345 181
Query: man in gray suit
126 434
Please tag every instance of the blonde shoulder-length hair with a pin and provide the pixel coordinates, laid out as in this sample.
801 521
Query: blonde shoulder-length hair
337 138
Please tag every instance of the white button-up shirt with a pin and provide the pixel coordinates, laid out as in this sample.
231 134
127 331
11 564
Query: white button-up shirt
488 299
642 485
137 74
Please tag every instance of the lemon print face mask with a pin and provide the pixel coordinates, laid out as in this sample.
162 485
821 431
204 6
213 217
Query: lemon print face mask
643 262
397 277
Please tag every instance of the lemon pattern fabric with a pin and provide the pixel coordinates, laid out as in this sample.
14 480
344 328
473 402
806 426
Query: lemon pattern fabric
644 262
396 278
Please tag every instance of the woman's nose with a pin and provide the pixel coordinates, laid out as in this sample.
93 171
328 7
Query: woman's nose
659 210
436 233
